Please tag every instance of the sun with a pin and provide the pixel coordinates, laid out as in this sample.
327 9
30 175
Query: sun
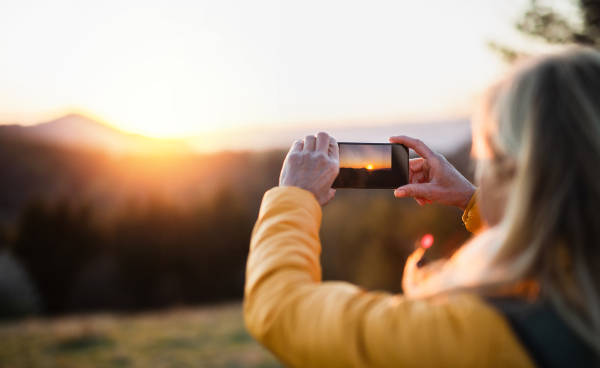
370 167
168 97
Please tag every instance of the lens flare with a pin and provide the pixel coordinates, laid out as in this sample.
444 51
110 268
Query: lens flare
427 241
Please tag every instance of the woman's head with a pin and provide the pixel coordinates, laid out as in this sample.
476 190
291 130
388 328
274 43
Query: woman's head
542 125
537 141
536 138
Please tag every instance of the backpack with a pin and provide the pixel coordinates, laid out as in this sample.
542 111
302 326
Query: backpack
541 331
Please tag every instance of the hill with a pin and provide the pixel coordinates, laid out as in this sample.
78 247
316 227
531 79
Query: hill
78 131
81 132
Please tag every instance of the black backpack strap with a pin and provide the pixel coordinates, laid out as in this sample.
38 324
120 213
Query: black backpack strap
549 341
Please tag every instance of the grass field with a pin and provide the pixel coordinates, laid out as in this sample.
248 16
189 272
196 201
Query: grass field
203 337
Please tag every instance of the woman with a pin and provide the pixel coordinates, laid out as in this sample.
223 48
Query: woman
523 292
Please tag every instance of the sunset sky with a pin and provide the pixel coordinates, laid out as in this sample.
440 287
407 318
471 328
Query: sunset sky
372 157
175 68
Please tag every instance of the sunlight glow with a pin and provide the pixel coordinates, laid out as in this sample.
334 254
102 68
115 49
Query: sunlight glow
168 69
370 167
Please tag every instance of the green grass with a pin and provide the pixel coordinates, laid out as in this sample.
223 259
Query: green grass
204 337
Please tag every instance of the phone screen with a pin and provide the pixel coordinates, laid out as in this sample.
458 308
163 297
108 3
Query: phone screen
372 166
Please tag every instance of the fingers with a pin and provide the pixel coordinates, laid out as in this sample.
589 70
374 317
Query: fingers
416 178
322 144
416 145
309 143
297 146
334 148
414 190
416 164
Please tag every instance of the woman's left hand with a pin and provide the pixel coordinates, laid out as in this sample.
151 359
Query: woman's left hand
432 178
312 164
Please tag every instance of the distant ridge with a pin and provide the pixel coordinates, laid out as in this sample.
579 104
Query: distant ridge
81 132
445 137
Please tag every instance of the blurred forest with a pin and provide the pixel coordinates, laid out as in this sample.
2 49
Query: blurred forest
83 230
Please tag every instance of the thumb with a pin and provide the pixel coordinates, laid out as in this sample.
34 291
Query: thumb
413 190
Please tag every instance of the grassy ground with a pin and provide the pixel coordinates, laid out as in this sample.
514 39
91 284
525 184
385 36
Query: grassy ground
206 337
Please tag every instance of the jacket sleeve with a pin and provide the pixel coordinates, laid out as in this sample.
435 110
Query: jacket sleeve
471 216
309 323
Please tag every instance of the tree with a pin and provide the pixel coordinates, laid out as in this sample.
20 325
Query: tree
544 23
54 242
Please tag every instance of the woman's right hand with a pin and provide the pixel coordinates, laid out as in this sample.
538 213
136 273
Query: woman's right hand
432 178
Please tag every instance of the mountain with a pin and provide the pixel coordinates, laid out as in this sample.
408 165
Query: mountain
81 132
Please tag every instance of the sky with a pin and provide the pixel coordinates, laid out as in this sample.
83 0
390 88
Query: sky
177 68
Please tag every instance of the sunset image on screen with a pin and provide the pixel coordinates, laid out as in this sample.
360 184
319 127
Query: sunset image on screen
370 157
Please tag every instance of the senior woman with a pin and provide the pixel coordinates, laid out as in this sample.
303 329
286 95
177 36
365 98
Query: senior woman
523 292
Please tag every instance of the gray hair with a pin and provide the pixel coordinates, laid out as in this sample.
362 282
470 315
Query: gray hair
545 120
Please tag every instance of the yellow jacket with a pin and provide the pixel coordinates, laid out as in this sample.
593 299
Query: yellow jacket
309 323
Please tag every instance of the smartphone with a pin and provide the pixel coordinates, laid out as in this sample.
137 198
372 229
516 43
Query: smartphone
372 166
